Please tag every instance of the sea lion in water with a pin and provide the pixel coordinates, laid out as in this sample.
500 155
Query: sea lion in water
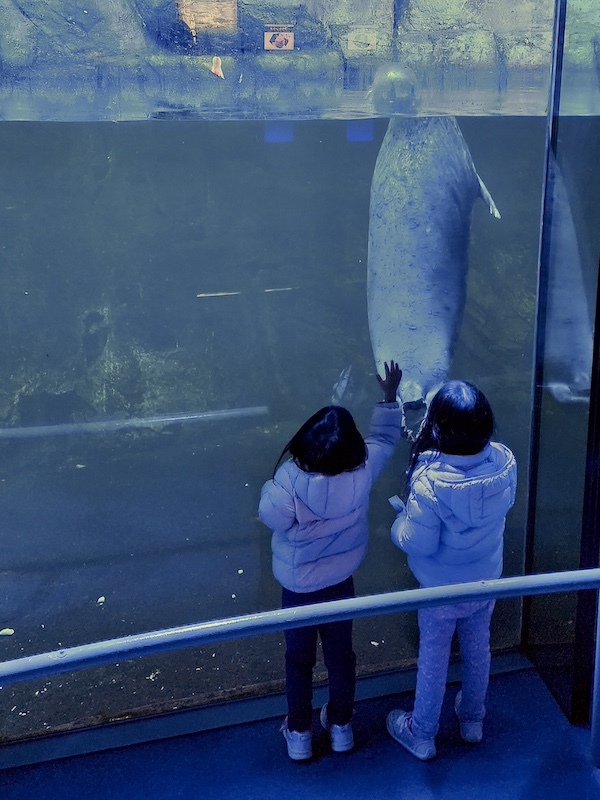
422 194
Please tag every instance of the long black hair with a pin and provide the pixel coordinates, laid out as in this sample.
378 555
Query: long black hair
459 421
329 442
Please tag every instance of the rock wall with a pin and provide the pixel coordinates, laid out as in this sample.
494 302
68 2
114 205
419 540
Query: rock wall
132 59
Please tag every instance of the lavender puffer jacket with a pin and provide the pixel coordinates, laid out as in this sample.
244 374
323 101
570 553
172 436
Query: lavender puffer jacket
320 522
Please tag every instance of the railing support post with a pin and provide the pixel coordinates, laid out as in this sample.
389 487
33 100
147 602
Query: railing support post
595 739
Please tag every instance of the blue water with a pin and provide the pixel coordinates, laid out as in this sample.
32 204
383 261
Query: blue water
161 268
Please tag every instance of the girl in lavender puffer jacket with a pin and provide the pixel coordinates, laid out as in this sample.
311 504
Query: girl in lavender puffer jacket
317 507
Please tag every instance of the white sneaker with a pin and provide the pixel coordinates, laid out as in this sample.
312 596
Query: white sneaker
399 725
299 743
471 732
342 738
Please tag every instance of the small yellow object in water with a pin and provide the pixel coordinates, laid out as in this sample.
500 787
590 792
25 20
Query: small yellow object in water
101 600
7 631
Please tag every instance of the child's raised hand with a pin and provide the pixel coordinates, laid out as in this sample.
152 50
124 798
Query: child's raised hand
389 384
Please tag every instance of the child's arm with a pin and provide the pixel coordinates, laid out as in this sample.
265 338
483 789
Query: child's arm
417 527
387 421
276 508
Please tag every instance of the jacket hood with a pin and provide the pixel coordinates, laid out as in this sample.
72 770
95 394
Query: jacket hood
478 489
329 496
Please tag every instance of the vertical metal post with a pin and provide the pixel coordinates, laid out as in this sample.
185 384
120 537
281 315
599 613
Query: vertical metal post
545 236
587 604
595 739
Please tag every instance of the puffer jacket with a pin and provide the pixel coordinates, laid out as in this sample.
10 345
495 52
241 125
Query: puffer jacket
452 527
320 522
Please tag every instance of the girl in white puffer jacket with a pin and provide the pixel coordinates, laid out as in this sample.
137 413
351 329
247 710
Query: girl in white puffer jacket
461 486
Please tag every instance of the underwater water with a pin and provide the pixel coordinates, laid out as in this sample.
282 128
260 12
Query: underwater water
165 268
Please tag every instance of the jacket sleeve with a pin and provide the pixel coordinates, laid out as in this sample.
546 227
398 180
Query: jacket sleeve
276 508
387 422
416 530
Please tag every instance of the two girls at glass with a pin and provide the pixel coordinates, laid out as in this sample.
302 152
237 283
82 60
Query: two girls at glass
461 485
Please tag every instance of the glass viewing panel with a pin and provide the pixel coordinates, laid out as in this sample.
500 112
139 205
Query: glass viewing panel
182 290
570 253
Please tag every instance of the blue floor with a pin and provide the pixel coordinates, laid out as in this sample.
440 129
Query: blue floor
529 751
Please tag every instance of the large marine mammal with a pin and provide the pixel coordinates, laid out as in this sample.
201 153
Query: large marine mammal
422 194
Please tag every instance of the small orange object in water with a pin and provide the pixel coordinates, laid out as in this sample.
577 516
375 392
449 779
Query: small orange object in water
217 67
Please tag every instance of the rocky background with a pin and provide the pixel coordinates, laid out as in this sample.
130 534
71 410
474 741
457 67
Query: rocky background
130 59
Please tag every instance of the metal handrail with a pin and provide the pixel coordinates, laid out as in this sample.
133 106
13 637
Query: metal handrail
135 645
127 647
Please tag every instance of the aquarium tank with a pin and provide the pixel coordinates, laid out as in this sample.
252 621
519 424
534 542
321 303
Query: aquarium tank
205 207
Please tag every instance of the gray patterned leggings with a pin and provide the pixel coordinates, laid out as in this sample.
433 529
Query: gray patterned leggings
436 628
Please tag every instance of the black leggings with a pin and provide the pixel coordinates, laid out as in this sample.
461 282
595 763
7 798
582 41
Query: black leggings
301 657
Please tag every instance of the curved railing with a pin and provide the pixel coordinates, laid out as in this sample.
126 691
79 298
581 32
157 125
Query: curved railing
113 650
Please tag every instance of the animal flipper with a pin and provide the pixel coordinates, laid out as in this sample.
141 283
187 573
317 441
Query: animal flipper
488 199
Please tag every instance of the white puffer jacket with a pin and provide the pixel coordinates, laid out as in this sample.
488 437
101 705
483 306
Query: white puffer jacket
320 522
453 525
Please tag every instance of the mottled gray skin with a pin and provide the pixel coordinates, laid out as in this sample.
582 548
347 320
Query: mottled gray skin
422 195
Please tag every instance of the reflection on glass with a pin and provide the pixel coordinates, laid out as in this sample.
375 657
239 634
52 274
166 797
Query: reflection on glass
573 244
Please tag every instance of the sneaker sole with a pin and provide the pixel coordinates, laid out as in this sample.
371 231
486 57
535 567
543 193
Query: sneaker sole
299 756
344 748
